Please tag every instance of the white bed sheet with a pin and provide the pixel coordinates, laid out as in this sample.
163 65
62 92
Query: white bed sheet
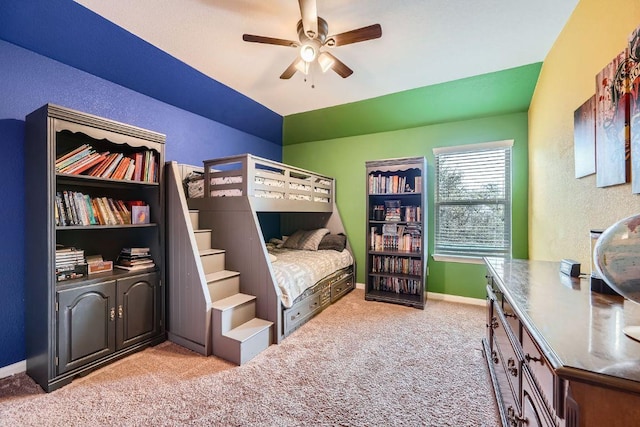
296 270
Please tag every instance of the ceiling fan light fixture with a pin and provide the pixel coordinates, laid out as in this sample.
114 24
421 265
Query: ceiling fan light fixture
326 61
308 52
303 67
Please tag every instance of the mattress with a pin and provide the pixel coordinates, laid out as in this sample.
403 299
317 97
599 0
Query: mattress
296 270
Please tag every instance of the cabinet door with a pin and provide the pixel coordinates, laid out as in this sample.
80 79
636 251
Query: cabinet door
138 317
86 324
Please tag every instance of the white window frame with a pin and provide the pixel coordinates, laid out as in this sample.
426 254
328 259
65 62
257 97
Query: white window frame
451 256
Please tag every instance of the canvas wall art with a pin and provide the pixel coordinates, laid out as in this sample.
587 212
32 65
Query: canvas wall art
612 123
584 138
634 107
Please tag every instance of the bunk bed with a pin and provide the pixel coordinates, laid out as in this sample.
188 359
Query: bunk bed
240 190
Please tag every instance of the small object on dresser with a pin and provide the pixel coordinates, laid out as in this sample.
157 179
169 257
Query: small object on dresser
570 267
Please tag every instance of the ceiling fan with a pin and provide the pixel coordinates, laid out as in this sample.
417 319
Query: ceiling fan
312 33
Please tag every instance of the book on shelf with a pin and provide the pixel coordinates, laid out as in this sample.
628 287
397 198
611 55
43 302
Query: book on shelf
70 263
76 208
135 259
85 160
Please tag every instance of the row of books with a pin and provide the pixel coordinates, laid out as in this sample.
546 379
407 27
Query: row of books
396 265
397 238
397 285
85 160
394 184
76 208
70 263
135 259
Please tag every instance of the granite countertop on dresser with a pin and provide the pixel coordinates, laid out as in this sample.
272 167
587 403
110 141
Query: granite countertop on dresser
579 331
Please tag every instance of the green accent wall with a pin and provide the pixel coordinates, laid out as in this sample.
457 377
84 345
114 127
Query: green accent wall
490 94
344 158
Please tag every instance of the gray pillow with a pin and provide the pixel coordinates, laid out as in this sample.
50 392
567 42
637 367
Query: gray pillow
307 240
337 242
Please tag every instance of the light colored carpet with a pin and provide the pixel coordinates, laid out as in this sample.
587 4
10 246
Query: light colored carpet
357 363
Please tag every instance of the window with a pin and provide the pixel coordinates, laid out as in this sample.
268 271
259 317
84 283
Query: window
473 200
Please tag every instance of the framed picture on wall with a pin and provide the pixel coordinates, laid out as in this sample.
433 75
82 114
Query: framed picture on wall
584 138
634 107
612 123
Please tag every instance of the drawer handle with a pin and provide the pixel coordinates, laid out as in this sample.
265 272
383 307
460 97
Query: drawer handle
494 357
511 367
532 358
314 305
112 314
494 323
510 315
515 420
295 316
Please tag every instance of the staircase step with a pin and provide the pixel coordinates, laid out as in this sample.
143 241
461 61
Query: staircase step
232 301
213 260
223 284
248 329
194 216
203 238
243 342
233 311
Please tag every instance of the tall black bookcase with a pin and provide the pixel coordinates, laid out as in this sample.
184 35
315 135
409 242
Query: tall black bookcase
79 324
396 231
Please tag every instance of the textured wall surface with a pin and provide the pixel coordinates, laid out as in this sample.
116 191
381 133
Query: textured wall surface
28 81
562 208
344 159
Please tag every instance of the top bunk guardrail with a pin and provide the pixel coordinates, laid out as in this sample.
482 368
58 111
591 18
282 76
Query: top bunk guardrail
269 185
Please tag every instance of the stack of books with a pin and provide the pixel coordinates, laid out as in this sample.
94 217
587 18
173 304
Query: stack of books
84 160
135 259
70 263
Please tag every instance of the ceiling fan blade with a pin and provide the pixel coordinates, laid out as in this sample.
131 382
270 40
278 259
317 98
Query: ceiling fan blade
309 14
291 69
339 66
354 36
269 40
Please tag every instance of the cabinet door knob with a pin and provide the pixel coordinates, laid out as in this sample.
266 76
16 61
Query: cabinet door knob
120 311
112 314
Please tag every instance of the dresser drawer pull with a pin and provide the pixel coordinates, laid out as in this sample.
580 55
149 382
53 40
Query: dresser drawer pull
494 323
534 359
516 420
511 367
494 357
510 315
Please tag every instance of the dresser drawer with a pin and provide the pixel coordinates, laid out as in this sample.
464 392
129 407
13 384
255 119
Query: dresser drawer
512 320
534 411
338 289
548 384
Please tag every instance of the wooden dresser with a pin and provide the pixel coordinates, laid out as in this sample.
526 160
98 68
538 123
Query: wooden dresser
556 351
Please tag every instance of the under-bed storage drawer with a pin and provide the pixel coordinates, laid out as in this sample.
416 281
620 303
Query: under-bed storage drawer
301 311
341 287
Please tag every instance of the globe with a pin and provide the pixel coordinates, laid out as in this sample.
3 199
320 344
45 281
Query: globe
616 258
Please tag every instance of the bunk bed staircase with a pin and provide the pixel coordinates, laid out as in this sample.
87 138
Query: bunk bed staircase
207 312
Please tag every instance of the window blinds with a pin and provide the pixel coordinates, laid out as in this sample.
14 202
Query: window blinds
473 200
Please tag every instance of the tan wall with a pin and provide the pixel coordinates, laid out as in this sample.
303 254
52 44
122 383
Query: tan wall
562 209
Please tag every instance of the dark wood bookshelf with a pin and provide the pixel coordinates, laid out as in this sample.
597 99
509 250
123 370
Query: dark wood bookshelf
79 324
383 216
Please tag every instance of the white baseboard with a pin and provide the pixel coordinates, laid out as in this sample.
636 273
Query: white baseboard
446 297
457 299
16 368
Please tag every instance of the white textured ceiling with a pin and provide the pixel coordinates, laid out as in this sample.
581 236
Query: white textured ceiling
423 42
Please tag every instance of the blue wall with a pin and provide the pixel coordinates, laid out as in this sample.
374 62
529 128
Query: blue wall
69 33
28 81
